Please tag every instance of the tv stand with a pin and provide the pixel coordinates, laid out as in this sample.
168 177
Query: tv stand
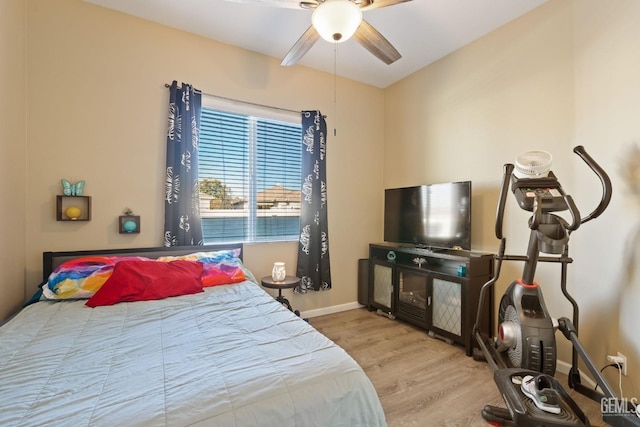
437 289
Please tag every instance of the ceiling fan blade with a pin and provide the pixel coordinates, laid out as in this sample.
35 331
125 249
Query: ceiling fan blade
291 4
301 47
375 43
377 4
309 4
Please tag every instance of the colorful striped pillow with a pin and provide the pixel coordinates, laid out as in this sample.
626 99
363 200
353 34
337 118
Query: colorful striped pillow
220 267
80 278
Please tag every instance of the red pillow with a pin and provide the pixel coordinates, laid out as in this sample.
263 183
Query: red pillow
148 280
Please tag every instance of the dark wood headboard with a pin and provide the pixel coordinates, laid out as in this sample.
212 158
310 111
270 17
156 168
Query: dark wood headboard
50 260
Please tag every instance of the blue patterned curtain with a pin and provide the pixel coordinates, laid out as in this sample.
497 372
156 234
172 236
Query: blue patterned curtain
182 225
313 254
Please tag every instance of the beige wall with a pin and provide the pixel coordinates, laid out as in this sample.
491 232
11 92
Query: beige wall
607 105
97 109
562 75
13 141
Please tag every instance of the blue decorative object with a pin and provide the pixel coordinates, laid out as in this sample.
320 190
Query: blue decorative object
72 189
129 226
391 256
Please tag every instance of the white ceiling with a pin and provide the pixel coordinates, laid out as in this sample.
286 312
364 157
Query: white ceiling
423 31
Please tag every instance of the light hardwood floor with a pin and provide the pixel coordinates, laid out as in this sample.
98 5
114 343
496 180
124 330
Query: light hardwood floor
421 381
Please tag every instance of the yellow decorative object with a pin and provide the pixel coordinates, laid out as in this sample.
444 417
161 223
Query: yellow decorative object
73 212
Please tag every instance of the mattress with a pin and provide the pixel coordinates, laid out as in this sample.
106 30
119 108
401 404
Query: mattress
229 356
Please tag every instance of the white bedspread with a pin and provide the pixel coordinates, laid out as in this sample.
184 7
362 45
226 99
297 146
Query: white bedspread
230 356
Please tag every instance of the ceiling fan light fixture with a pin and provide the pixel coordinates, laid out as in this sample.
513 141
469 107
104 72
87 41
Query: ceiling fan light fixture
336 20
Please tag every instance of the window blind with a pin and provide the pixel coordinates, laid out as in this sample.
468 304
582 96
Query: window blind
249 171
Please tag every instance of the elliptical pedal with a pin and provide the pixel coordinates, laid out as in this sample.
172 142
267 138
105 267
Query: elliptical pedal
522 411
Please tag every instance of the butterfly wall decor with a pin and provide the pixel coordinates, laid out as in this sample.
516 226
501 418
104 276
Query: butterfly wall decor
72 189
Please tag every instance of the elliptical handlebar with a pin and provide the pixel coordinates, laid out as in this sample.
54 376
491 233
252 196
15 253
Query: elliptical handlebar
537 213
506 178
604 179
575 214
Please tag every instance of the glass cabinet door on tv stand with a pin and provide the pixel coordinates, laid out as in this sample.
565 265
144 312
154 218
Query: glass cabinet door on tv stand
381 287
446 303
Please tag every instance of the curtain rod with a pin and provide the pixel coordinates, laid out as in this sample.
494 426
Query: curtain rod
243 102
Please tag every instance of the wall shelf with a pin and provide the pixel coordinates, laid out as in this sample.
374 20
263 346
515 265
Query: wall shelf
65 202
129 224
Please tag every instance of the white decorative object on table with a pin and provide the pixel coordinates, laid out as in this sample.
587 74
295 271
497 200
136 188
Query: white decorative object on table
278 273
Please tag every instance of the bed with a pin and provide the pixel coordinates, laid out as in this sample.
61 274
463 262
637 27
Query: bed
226 355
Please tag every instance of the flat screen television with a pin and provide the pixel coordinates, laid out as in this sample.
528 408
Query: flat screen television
432 216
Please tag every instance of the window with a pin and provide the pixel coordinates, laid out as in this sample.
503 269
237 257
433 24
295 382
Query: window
249 173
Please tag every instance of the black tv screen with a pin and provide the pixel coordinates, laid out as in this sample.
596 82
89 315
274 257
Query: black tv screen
436 215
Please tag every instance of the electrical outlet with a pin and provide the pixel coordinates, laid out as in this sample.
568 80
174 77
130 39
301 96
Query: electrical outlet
621 360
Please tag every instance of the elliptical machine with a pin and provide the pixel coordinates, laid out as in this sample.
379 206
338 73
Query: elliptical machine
523 355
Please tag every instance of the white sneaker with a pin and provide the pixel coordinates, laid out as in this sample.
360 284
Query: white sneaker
540 390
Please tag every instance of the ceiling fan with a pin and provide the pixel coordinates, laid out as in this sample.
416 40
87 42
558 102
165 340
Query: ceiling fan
337 21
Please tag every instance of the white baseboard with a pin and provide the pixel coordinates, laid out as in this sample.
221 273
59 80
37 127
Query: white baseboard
330 310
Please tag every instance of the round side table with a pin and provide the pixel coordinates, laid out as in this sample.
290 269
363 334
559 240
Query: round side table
288 283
